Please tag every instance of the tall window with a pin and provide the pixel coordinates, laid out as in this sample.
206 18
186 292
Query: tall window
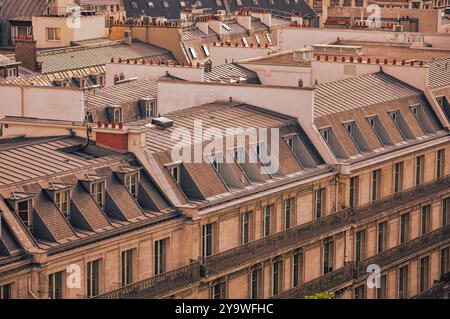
360 292
127 267
288 212
360 245
354 191
98 193
420 169
160 256
382 237
328 255
55 285
445 260
445 211
245 238
62 202
175 172
267 211
277 277
207 240
6 291
298 268
398 177
382 290
404 228
131 183
424 273
440 163
24 212
255 283
319 202
425 219
376 184
219 290
403 282
92 278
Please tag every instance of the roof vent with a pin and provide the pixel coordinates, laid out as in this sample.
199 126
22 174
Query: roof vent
162 122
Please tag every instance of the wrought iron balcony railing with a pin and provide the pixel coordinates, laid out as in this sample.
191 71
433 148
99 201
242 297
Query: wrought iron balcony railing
308 231
439 290
157 285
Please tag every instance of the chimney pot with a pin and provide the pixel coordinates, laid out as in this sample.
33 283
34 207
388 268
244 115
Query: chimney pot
105 124
120 125
113 124
99 123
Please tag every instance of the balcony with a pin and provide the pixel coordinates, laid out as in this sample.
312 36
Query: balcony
158 285
301 234
353 270
438 291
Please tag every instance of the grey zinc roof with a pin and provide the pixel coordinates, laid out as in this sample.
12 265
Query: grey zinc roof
194 33
439 73
81 57
339 96
229 71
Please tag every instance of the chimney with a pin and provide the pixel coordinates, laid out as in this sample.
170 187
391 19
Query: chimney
203 26
244 20
208 66
26 53
264 16
127 37
118 138
216 26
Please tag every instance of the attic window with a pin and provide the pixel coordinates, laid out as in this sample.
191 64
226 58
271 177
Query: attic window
165 4
244 42
379 130
182 4
192 53
401 124
98 193
174 170
290 142
326 134
215 160
205 50
356 135
269 39
218 3
239 2
117 115
62 201
226 27
23 210
257 39
131 183
150 4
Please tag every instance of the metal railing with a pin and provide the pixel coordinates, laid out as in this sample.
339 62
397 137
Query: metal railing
438 291
308 231
157 285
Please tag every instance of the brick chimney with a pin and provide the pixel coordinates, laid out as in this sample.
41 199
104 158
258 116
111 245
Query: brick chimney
116 137
244 20
26 53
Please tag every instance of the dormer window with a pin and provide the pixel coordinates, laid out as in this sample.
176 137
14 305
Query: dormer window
257 39
205 50
118 115
131 183
174 170
98 193
238 154
150 108
244 42
290 142
23 210
326 134
62 201
115 113
269 39
193 53
215 160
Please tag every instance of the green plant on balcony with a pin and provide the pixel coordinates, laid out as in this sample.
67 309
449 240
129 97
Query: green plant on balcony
321 295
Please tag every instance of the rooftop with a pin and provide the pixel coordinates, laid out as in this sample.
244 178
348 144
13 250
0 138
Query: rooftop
231 72
439 73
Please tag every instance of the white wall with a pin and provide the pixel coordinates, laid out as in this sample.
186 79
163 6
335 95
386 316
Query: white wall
283 75
228 54
92 27
42 102
142 71
293 38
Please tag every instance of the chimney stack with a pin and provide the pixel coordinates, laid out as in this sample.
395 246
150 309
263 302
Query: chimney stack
127 37
26 53
244 20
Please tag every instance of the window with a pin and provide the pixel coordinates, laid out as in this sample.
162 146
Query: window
398 177
360 245
381 291
298 269
403 282
205 50
404 228
258 41
424 273
445 261
161 256
175 172
290 142
354 191
62 202
131 183
55 285
245 227
239 155
255 283
165 4
445 211
420 169
150 108
382 237
319 201
379 130
117 115
359 292
277 270
328 255
326 134
219 290
425 219
440 163
288 212
53 34
24 212
268 38
6 291
267 220
376 184
127 267
192 53
215 160
244 42
11 72
227 28
98 193
239 2
207 240
92 278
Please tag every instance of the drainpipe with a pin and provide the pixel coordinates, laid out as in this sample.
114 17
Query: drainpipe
30 291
